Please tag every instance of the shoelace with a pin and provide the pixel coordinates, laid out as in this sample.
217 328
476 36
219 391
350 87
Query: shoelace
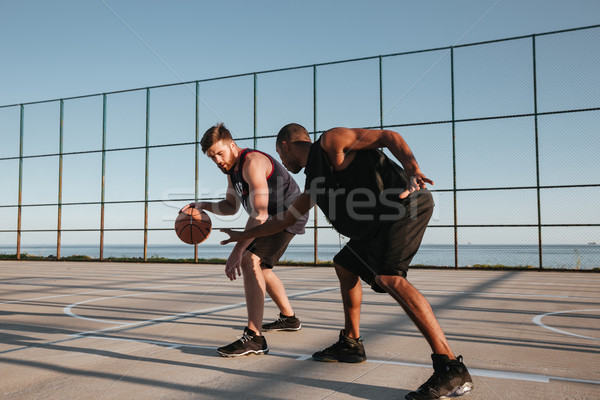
280 318
245 337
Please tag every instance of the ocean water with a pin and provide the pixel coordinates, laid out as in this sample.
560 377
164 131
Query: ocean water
584 256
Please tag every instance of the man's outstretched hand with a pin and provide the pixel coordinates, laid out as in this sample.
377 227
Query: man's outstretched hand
416 182
234 236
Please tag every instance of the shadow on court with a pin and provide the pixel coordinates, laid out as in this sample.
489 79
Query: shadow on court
142 331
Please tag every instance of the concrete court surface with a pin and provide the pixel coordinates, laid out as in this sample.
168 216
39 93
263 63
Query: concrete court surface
72 330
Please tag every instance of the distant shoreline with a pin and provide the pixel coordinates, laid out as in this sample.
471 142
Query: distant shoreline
320 264
580 257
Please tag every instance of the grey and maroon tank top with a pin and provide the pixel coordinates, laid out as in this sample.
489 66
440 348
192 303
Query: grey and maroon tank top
283 189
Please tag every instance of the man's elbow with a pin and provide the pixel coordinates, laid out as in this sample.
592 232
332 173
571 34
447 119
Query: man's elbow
388 138
261 217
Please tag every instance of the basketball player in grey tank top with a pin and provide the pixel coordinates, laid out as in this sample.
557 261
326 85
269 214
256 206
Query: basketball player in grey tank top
264 188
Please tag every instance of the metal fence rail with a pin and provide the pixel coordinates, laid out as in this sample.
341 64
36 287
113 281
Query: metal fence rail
462 106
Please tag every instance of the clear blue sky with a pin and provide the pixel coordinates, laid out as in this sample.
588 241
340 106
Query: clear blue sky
58 49
53 49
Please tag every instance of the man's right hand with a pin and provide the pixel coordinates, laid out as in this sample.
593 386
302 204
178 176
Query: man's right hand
191 205
416 182
233 264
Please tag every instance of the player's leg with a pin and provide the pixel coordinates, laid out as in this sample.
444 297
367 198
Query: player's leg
349 347
254 289
276 291
251 341
269 250
418 309
351 290
450 378
287 320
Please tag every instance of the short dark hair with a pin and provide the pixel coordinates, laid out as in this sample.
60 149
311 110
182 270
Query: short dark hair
292 133
213 135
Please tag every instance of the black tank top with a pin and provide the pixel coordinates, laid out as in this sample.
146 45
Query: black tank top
364 196
283 189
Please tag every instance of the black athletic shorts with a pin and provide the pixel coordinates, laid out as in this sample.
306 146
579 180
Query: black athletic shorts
390 251
270 248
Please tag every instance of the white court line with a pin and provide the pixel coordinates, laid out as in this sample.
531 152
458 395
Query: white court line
129 289
422 291
486 373
123 327
538 320
86 293
528 295
68 309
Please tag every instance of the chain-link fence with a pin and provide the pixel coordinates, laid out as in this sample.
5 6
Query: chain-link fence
508 130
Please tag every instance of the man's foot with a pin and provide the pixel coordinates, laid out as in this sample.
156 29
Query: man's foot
345 349
450 379
283 323
247 344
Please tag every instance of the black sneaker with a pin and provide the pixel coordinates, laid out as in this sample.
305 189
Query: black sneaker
247 344
450 379
283 323
344 350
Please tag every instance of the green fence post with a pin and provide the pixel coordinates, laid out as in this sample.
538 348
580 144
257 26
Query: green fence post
537 155
196 156
255 122
103 184
316 226
20 195
380 93
454 158
147 175
60 173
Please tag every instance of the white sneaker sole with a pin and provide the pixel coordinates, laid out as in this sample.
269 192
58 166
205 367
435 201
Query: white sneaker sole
282 329
246 353
459 391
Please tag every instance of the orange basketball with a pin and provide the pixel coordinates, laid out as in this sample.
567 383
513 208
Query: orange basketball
192 226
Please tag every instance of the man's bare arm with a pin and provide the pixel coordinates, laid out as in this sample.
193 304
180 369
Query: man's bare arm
339 143
297 209
229 206
255 173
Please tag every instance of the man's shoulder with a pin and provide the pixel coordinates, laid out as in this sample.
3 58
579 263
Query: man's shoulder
256 161
256 156
332 136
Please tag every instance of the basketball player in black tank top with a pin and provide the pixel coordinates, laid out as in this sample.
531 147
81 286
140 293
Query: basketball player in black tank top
384 210
264 188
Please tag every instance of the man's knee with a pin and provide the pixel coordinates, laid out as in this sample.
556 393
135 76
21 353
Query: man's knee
267 272
391 281
345 275
250 261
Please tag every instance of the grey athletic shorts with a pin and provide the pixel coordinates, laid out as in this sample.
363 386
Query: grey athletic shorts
270 248
389 252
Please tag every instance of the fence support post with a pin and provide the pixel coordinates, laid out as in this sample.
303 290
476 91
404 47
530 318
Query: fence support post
255 122
103 186
537 156
315 208
454 158
146 182
20 195
196 156
60 173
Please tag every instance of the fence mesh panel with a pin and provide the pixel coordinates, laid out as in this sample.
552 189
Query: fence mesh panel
508 130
